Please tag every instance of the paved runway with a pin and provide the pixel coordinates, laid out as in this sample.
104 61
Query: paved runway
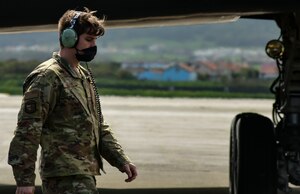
176 143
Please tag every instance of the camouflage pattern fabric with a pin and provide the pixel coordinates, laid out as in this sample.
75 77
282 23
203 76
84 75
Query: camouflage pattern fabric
58 112
77 184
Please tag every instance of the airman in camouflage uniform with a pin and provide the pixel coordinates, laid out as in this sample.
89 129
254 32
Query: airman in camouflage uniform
59 112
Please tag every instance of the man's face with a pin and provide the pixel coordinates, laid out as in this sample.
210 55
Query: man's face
86 41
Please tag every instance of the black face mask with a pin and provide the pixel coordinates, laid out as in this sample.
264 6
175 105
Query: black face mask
87 55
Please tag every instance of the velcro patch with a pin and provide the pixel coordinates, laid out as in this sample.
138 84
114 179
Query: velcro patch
30 106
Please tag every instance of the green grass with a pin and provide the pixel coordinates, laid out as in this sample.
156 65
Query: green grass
160 89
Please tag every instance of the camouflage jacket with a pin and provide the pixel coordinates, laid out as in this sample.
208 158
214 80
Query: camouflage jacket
58 112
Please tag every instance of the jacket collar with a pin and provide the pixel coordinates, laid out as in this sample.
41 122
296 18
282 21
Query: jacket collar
63 62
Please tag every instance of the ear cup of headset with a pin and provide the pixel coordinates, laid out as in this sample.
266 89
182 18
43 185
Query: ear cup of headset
69 38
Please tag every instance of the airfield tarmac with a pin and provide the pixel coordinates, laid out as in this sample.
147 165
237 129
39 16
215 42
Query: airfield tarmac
178 143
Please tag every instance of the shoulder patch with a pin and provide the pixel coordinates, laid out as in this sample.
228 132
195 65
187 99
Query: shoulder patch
30 106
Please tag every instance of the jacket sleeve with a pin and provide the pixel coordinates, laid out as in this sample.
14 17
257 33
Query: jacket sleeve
37 102
111 150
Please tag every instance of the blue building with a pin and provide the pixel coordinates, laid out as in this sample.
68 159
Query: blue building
151 74
178 72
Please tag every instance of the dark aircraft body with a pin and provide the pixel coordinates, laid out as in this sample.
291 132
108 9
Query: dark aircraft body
33 15
264 154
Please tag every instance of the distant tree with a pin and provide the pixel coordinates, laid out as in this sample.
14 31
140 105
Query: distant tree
122 74
203 77
105 69
249 73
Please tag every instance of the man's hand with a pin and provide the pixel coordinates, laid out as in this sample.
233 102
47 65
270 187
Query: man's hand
130 170
25 190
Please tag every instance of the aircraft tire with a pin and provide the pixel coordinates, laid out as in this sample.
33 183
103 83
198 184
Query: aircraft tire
252 155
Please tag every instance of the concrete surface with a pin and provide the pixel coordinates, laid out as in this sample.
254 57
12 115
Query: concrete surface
179 145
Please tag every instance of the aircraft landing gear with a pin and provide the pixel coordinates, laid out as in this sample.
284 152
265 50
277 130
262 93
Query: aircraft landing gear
265 155
252 155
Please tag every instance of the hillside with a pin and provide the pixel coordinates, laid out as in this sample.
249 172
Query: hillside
141 43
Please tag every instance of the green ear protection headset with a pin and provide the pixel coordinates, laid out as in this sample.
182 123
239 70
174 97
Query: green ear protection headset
69 36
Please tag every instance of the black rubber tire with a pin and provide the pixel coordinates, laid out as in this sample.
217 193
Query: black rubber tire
252 167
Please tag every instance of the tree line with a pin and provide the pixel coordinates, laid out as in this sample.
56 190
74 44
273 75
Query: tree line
112 80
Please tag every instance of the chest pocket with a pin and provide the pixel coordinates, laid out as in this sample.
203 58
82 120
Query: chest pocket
73 99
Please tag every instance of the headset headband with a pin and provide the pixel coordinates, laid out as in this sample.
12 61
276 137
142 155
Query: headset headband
74 19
